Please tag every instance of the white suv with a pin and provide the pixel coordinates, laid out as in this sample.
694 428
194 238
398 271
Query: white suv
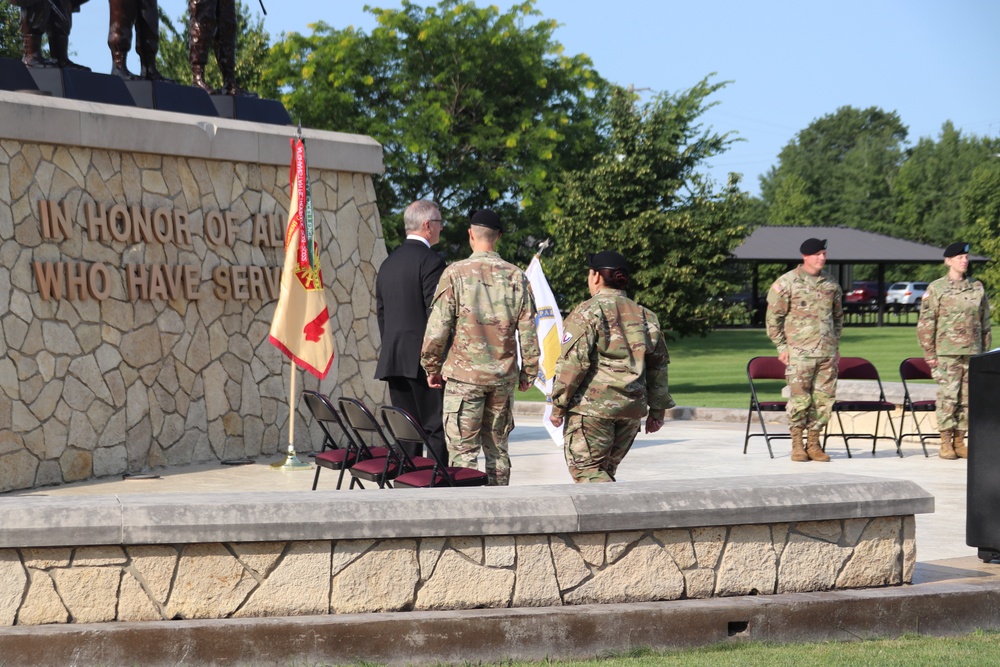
905 295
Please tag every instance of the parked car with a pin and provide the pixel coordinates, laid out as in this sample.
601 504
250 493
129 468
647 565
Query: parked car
905 296
863 296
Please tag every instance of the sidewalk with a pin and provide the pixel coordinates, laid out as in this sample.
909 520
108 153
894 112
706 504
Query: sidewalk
683 449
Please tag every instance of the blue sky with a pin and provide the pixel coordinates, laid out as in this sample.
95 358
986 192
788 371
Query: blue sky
789 62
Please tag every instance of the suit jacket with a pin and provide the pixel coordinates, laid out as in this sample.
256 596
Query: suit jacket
404 290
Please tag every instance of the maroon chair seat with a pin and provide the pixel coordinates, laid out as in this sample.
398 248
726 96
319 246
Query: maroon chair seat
458 476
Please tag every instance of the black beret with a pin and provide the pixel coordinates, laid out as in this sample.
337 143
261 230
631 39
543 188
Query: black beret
607 259
486 218
812 246
957 248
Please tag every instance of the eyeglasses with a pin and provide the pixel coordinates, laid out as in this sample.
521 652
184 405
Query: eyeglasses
436 220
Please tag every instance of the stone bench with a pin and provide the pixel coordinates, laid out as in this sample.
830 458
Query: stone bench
238 555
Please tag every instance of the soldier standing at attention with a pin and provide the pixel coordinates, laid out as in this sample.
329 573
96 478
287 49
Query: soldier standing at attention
481 306
612 366
954 324
805 315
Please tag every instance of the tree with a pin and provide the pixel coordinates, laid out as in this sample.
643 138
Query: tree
980 214
253 45
10 31
474 108
928 190
642 197
792 205
847 162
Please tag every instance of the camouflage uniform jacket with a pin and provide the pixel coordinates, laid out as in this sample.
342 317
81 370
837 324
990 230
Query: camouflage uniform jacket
954 319
613 361
805 314
481 304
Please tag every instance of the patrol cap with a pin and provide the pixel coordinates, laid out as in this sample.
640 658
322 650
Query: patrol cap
484 217
957 248
606 259
812 246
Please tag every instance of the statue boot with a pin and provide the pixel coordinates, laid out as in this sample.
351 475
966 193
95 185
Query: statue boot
32 49
119 65
958 442
225 55
149 71
230 88
947 450
813 449
59 47
798 449
198 79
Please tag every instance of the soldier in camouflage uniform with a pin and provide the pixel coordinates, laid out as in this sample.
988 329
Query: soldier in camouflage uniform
954 324
612 366
481 306
805 315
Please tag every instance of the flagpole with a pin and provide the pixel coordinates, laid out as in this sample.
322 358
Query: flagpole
291 461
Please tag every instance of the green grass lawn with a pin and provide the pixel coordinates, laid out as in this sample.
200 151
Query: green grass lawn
972 650
711 371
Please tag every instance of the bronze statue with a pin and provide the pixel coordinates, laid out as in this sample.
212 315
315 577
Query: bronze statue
141 15
51 17
213 24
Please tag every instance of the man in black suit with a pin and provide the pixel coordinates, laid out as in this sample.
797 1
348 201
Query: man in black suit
404 290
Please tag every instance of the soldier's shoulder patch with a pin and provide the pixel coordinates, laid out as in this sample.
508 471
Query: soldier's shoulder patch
567 337
778 287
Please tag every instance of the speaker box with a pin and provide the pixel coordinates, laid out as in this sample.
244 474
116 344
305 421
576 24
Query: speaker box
75 84
253 109
14 76
166 96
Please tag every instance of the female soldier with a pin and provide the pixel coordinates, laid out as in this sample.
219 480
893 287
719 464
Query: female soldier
954 324
613 364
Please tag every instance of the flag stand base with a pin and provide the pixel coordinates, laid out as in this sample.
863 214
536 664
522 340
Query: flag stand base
291 462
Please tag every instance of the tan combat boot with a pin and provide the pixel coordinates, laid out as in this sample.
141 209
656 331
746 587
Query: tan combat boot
813 449
961 451
947 451
798 449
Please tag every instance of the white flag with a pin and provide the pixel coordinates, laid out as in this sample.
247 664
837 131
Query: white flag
548 325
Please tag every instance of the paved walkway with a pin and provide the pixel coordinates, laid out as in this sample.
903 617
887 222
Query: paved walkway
683 449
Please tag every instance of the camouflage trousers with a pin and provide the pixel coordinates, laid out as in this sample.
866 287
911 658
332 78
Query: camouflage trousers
594 446
812 387
952 376
479 417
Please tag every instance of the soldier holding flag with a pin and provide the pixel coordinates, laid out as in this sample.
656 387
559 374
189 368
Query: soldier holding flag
613 366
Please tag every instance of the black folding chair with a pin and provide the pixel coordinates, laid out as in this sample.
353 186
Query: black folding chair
764 368
915 368
379 470
857 368
404 430
333 455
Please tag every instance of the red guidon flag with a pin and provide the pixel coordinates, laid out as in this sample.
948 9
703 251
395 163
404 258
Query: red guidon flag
301 324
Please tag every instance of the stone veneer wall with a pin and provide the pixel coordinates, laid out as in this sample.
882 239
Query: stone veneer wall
93 388
353 552
240 580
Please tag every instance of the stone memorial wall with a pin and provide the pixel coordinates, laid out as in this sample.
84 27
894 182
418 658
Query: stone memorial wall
140 258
